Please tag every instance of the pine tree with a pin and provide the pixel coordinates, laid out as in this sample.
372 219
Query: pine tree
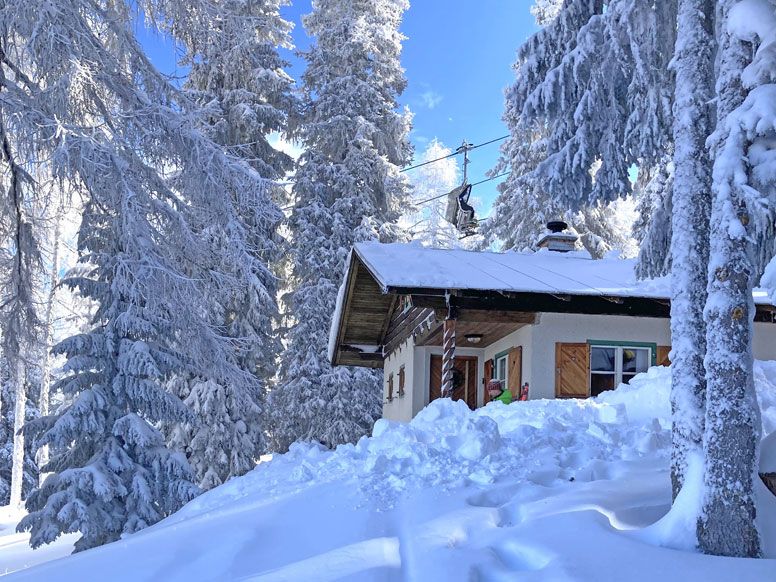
690 210
7 441
426 221
652 228
545 11
595 81
524 206
226 437
348 189
237 77
743 187
19 237
157 244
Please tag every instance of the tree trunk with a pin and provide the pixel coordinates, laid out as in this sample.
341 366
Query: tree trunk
45 383
726 526
17 468
693 63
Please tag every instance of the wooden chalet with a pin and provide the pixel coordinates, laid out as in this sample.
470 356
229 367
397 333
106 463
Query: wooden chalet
446 321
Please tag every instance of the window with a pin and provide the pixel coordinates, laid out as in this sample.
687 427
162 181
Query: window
401 381
500 369
613 365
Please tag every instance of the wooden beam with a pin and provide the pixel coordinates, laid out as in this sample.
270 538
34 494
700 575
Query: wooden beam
548 303
389 316
407 326
420 326
489 316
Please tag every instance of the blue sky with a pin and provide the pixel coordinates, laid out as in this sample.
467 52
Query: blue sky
457 57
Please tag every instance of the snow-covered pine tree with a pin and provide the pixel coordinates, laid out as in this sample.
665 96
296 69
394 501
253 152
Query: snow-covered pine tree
545 11
237 77
594 81
348 189
652 229
19 238
7 441
426 221
524 206
596 132
83 96
690 210
743 186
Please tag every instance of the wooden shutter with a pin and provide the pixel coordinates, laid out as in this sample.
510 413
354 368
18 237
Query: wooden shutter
572 370
401 381
662 355
515 371
390 387
488 377
435 378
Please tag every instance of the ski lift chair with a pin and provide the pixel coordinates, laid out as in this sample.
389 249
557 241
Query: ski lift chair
459 212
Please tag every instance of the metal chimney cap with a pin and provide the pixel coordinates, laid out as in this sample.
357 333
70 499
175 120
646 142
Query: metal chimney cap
557 226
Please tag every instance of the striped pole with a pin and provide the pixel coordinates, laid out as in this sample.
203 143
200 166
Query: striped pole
448 356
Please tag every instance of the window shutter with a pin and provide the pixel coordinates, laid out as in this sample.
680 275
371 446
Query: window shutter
572 370
663 355
488 377
390 387
515 371
401 381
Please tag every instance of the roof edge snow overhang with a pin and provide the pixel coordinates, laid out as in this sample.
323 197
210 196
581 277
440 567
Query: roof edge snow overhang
366 304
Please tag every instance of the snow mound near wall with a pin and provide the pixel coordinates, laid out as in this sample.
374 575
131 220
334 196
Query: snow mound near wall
557 486
448 446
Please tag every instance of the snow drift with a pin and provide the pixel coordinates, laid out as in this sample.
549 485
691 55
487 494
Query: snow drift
540 490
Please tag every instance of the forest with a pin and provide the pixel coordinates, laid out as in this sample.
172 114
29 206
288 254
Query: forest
168 273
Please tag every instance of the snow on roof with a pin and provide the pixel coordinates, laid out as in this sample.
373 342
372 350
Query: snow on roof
575 273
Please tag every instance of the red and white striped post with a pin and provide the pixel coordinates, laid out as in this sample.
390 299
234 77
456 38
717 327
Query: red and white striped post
448 351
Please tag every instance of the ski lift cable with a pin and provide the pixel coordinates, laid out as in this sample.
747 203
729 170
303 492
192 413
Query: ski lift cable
460 150
427 200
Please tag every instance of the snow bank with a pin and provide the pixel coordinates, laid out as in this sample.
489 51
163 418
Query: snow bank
448 446
550 487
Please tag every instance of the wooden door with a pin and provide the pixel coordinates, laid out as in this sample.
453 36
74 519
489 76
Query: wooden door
465 384
572 370
515 371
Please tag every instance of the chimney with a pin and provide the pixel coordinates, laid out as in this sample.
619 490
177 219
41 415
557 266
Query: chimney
557 239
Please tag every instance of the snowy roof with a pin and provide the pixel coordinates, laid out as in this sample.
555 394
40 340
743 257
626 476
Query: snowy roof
575 273
546 281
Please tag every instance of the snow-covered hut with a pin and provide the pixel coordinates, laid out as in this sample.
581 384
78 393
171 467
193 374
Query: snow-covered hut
568 325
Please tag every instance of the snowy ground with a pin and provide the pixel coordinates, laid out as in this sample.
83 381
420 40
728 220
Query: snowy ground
543 490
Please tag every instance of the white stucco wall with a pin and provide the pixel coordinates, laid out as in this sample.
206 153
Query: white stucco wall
764 343
538 343
571 328
522 337
401 407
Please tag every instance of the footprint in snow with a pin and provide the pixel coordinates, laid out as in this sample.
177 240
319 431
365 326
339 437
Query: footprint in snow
495 497
512 558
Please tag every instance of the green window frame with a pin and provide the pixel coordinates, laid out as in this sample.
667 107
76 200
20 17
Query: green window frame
625 344
499 357
617 375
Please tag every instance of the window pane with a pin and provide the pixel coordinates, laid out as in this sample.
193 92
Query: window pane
501 369
635 360
626 378
600 383
602 359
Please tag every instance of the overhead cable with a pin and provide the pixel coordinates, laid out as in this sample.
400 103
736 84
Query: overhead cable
459 151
